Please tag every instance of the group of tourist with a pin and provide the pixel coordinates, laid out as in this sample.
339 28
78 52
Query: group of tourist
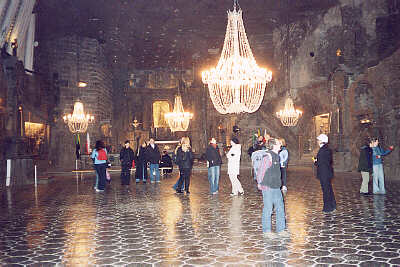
269 160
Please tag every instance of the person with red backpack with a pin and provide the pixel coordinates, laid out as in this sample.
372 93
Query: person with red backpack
99 155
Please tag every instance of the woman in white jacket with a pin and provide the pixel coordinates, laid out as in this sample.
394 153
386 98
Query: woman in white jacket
233 156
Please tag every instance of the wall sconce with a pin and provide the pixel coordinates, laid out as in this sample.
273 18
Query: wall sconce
82 84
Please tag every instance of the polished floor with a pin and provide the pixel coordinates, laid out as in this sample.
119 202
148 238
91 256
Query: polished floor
66 223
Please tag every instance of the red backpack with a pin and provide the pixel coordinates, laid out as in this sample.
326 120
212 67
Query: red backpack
101 154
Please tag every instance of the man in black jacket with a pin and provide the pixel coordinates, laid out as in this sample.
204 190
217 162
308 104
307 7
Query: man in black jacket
126 157
153 156
214 162
325 173
365 165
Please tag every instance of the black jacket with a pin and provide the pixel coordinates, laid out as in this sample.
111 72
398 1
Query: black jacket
153 154
166 161
324 163
126 156
365 159
184 159
213 156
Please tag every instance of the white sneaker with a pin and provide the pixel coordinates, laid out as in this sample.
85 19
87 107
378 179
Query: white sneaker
159 181
152 182
98 190
283 233
269 235
216 192
232 194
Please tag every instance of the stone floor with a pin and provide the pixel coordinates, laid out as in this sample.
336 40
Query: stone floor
66 223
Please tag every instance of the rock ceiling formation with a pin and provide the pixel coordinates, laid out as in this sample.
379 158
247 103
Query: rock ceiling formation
160 33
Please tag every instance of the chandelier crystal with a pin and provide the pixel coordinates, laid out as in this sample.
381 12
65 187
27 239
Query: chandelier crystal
236 84
78 121
178 119
289 116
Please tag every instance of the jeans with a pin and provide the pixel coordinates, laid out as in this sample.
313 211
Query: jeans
378 179
213 178
272 198
154 168
175 187
96 183
101 171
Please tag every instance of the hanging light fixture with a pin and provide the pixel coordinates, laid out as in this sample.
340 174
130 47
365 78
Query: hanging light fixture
289 116
178 119
78 121
236 84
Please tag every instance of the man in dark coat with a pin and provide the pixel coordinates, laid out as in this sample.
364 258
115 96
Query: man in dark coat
365 165
325 173
126 157
214 162
153 156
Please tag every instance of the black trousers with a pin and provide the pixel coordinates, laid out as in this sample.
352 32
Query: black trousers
125 174
185 175
141 171
283 176
328 195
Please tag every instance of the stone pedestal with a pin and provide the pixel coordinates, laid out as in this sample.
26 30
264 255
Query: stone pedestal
342 161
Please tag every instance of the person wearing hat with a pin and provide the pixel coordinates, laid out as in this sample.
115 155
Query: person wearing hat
214 162
325 173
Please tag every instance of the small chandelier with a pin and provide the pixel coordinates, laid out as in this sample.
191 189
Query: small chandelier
178 119
236 84
289 116
78 121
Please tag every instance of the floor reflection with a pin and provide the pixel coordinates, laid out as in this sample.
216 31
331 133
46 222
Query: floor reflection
65 222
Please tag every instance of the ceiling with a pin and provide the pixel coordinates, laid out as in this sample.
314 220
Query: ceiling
149 34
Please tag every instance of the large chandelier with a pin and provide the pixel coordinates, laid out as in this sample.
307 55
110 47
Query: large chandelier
289 116
78 121
236 84
178 119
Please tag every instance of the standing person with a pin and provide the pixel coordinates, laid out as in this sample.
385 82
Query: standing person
284 159
325 173
214 162
365 165
378 177
126 157
269 182
175 186
153 156
184 159
99 155
233 156
141 166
